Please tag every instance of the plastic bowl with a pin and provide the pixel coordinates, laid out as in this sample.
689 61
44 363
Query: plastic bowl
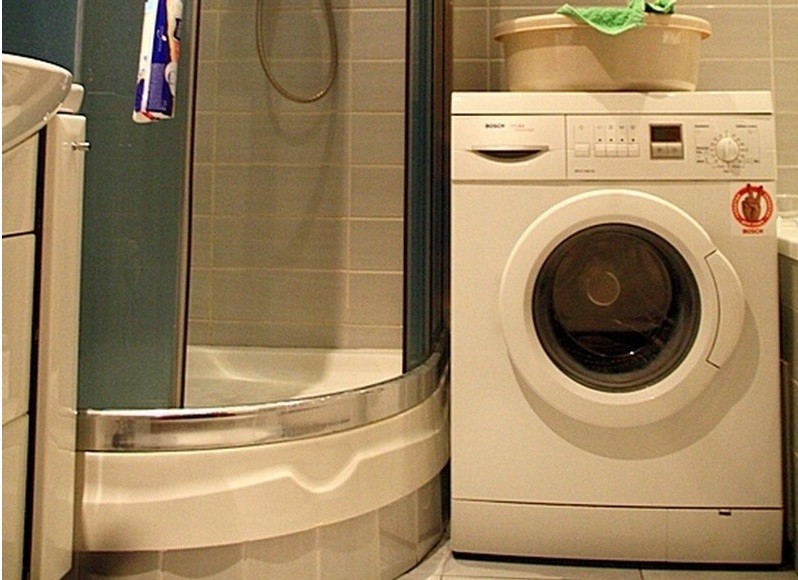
553 52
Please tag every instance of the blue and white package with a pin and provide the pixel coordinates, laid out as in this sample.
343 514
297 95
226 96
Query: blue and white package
160 49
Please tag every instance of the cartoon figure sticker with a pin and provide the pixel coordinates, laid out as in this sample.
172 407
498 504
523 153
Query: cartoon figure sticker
752 207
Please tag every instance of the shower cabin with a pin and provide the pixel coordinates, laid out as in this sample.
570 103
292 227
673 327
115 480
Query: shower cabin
272 376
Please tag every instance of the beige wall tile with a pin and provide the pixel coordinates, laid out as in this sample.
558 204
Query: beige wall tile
202 241
787 138
785 23
734 75
470 32
202 189
281 243
376 245
377 191
785 77
378 34
375 299
737 31
378 86
377 139
278 296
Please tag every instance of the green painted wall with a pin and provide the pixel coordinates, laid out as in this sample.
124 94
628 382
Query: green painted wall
133 195
131 234
43 30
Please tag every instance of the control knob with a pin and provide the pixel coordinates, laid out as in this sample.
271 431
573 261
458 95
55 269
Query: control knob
727 149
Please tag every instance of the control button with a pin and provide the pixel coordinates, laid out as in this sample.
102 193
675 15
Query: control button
581 133
634 149
632 134
582 150
659 151
623 150
600 134
601 150
622 134
727 149
667 151
612 150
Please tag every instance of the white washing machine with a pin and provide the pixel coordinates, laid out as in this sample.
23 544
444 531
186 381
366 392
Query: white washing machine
614 362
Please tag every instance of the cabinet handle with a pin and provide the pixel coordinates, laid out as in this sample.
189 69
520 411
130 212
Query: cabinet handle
80 145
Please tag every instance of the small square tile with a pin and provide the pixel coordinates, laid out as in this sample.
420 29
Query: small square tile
498 569
209 563
350 545
431 568
397 526
283 558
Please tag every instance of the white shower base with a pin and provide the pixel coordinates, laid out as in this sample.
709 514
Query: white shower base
362 502
222 375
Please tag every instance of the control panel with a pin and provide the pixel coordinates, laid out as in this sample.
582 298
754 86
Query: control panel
719 147
613 147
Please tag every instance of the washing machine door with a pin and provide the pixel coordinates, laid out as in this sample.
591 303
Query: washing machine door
617 309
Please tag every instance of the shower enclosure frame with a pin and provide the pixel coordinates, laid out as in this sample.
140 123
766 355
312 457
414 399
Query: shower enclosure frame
424 350
385 445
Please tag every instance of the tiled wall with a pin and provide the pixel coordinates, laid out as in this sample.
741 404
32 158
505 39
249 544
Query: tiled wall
297 229
753 46
298 208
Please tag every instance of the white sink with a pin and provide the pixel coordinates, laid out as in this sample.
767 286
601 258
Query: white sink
32 92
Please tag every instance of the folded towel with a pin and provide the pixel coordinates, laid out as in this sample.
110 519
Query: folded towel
616 20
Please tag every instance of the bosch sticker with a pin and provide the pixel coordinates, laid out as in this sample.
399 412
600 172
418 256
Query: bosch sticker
752 207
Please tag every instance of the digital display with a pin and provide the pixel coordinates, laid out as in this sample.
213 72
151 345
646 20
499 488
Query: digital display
666 133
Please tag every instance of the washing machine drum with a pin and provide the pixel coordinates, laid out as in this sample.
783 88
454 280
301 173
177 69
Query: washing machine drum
616 307
617 319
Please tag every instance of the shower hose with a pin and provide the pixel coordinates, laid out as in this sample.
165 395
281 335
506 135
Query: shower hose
332 70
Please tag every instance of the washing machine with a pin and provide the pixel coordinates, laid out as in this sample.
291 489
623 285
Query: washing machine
614 327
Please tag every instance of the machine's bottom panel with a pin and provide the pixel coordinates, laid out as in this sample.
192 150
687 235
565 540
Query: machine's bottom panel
732 536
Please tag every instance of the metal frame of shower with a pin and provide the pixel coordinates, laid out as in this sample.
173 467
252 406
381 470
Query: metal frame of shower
427 88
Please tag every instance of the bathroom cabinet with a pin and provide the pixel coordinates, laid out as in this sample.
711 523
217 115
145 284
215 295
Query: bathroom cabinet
42 221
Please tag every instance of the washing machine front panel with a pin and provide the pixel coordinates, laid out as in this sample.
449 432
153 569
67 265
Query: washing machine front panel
612 311
699 436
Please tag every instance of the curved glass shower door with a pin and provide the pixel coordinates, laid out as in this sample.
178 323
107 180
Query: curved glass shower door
313 265
314 231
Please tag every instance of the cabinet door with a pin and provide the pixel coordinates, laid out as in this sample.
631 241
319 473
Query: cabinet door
56 400
15 464
18 256
19 186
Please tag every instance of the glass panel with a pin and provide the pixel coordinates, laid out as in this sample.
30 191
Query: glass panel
616 307
305 245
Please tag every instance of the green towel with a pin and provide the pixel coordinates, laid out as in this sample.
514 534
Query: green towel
617 20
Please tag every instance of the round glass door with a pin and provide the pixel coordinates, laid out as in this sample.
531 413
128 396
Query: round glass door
616 307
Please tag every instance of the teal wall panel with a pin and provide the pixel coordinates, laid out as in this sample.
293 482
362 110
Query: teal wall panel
132 222
43 30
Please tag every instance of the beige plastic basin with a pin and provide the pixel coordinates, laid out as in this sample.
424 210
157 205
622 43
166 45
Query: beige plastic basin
553 52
